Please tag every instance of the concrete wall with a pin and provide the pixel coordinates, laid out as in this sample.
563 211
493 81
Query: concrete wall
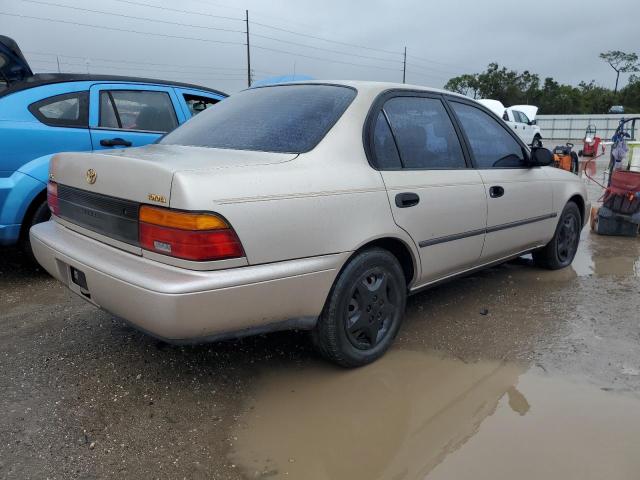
572 127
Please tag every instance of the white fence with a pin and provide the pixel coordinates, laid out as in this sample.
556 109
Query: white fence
572 127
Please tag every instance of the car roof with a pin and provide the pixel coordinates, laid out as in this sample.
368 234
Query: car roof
40 79
372 86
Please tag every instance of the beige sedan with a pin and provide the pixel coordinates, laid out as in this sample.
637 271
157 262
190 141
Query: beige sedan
315 206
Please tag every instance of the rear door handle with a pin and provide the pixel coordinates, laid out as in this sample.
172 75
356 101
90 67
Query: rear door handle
115 142
496 191
407 199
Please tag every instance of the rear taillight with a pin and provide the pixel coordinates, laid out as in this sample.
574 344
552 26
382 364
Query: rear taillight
186 235
52 197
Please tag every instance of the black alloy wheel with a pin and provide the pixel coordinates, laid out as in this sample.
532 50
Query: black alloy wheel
363 311
562 248
371 309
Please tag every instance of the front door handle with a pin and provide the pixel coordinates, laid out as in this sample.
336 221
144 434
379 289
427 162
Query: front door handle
407 199
115 142
496 191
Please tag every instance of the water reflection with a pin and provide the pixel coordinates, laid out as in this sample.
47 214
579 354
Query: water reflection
413 416
397 418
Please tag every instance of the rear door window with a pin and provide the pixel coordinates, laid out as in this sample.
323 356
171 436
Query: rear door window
386 153
424 133
281 118
68 110
197 103
138 110
491 144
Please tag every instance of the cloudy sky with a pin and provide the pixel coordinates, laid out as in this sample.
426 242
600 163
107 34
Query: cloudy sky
202 41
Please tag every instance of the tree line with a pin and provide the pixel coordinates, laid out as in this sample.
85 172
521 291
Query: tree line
512 88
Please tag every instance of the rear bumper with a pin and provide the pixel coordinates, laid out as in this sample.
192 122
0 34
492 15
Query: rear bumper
186 305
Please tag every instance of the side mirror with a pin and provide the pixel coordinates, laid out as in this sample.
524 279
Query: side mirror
540 157
533 122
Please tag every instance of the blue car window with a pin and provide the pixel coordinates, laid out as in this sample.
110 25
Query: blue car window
198 104
150 111
68 110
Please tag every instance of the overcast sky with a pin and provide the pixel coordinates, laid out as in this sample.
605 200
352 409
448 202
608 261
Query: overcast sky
443 38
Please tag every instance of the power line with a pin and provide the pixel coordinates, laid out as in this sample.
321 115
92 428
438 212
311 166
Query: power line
440 77
436 62
121 15
169 9
186 77
431 69
131 61
326 59
222 42
116 67
260 13
91 62
326 39
324 49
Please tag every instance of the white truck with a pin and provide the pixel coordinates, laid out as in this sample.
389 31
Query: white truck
520 118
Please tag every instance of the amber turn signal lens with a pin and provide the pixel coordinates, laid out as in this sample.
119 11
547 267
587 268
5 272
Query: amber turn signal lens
181 220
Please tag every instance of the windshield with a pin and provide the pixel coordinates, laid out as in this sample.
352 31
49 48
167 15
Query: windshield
285 118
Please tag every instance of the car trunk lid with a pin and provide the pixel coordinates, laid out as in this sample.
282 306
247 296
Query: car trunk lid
102 192
13 66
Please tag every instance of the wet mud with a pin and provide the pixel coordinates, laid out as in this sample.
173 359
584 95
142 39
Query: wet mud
513 372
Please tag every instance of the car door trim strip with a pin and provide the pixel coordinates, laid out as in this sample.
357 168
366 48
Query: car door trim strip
451 238
481 231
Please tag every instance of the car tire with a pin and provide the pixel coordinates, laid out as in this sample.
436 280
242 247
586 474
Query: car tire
537 141
40 214
364 310
562 248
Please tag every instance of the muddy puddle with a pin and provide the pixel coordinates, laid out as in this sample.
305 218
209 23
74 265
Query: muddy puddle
414 415
607 256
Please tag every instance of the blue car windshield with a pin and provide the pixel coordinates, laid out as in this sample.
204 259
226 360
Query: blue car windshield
284 118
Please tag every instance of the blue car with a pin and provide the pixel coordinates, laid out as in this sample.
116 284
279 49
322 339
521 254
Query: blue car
43 114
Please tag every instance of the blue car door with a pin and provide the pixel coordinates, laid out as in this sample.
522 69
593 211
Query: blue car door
131 115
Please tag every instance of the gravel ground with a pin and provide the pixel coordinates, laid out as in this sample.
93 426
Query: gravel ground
86 396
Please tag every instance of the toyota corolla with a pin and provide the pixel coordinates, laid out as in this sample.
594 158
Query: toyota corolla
315 206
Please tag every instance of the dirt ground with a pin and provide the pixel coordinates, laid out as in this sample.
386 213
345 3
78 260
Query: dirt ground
514 372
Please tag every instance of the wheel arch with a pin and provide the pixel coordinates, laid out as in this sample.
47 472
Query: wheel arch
579 201
31 209
400 249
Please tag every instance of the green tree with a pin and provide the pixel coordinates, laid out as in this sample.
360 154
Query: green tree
596 99
630 95
466 84
621 62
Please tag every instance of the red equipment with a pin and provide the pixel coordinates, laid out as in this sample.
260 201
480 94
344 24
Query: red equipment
591 143
623 195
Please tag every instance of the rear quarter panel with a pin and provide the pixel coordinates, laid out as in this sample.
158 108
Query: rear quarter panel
325 201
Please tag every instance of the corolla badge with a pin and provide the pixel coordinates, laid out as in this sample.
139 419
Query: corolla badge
91 176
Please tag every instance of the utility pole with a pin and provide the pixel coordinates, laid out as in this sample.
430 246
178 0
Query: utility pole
58 61
404 67
248 50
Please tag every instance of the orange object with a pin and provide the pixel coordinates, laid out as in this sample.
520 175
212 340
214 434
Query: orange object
181 220
565 158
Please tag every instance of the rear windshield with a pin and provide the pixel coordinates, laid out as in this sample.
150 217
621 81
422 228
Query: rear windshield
286 118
